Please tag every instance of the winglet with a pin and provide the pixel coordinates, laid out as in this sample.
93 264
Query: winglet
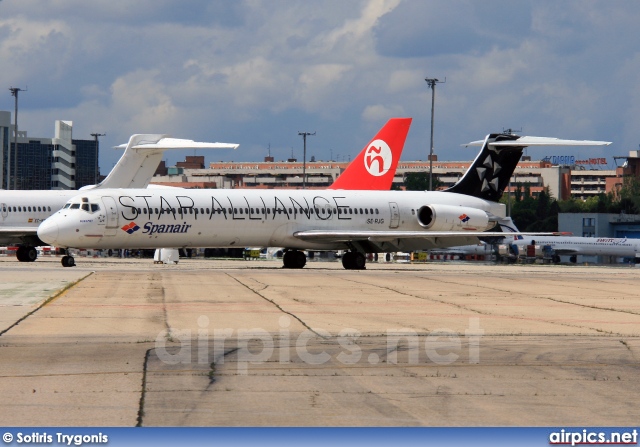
375 166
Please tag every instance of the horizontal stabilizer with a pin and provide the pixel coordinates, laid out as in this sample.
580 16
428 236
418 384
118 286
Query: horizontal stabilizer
142 155
177 143
540 141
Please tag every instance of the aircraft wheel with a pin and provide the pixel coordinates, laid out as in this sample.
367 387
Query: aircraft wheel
556 259
354 260
68 261
20 254
347 260
30 254
573 259
294 259
359 261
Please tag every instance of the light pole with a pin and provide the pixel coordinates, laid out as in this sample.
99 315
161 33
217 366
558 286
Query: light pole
14 93
432 85
95 137
304 157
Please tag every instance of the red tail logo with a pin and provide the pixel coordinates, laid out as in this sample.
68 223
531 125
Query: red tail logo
379 154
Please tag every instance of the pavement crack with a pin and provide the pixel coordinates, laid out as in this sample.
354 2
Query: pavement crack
275 304
143 391
47 301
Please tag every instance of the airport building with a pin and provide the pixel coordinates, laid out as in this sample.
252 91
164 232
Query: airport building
563 181
60 162
321 174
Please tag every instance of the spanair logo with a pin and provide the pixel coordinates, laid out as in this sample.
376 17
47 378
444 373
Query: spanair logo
378 158
131 228
464 218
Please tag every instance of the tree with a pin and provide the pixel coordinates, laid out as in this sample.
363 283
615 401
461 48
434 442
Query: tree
419 181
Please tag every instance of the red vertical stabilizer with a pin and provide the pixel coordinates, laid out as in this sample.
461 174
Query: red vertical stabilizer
375 167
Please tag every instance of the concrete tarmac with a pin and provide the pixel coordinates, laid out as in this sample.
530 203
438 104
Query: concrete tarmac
124 342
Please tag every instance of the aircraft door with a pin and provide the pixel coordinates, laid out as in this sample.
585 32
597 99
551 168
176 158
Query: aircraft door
3 208
395 215
111 209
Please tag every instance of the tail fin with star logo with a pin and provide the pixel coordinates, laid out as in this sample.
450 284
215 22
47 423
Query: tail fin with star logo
489 174
375 166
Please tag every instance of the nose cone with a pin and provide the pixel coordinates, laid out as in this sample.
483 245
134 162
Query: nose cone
48 231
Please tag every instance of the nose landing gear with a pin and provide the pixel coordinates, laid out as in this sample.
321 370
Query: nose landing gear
68 260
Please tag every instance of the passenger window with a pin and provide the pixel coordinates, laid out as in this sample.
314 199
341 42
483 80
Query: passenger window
49 208
39 209
202 211
29 209
208 211
195 210
366 211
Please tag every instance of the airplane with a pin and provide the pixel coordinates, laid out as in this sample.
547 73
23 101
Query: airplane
22 211
359 221
586 246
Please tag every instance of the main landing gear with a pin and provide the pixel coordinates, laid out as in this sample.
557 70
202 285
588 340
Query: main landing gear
26 253
354 260
351 260
294 259
68 260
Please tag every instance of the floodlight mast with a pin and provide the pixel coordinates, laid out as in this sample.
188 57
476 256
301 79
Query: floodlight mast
432 85
14 92
304 157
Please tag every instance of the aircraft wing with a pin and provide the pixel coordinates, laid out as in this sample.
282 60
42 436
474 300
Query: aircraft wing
390 235
10 235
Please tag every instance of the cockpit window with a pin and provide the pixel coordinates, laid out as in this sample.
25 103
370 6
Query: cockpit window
94 207
66 205
75 206
85 207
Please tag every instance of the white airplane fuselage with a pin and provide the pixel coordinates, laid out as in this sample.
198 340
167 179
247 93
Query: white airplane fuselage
283 218
22 211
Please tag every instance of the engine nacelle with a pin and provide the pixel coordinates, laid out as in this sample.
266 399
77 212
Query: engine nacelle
454 218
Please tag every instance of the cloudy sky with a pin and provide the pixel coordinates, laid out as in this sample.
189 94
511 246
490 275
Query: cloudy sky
257 72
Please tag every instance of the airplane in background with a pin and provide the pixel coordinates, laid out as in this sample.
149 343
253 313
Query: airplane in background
359 221
573 246
23 210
